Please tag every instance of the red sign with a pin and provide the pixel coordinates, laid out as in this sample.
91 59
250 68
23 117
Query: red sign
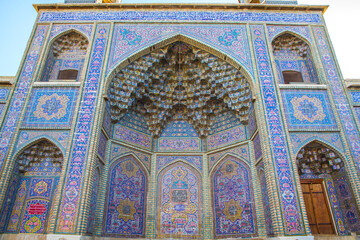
36 208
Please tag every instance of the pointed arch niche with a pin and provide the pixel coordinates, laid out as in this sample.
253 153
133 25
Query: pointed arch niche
125 205
32 188
328 195
233 199
294 62
177 97
66 57
179 205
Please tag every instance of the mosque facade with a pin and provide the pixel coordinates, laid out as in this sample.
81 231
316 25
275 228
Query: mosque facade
188 121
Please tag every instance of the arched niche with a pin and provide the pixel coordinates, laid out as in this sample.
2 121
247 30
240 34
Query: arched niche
179 206
233 199
66 56
175 81
125 205
325 183
294 61
32 187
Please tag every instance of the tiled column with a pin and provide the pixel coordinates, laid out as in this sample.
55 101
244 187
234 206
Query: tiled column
290 210
68 216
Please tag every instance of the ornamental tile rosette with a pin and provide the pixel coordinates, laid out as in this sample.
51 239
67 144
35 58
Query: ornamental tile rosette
53 106
309 109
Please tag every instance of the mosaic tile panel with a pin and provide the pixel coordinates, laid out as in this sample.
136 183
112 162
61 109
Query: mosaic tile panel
51 107
303 31
132 137
179 128
241 151
107 120
93 201
10 199
94 197
257 147
125 201
135 121
233 200
85 29
225 121
179 210
4 94
335 207
129 39
351 215
300 139
292 219
19 95
2 108
308 109
227 137
102 145
336 87
265 199
33 201
179 144
27 136
67 217
117 150
206 16
355 97
252 126
195 161
357 111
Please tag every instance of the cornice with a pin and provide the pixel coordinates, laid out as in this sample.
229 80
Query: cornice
172 6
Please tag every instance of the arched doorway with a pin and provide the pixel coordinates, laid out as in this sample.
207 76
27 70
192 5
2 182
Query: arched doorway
329 201
36 174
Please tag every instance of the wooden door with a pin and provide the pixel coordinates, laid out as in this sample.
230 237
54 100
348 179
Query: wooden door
317 208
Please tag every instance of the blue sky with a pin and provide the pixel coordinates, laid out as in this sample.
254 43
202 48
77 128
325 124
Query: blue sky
342 18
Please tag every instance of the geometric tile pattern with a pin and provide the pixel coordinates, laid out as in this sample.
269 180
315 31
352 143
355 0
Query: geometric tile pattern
308 109
51 107
233 199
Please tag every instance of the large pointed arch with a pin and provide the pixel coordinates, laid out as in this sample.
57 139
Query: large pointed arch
231 92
